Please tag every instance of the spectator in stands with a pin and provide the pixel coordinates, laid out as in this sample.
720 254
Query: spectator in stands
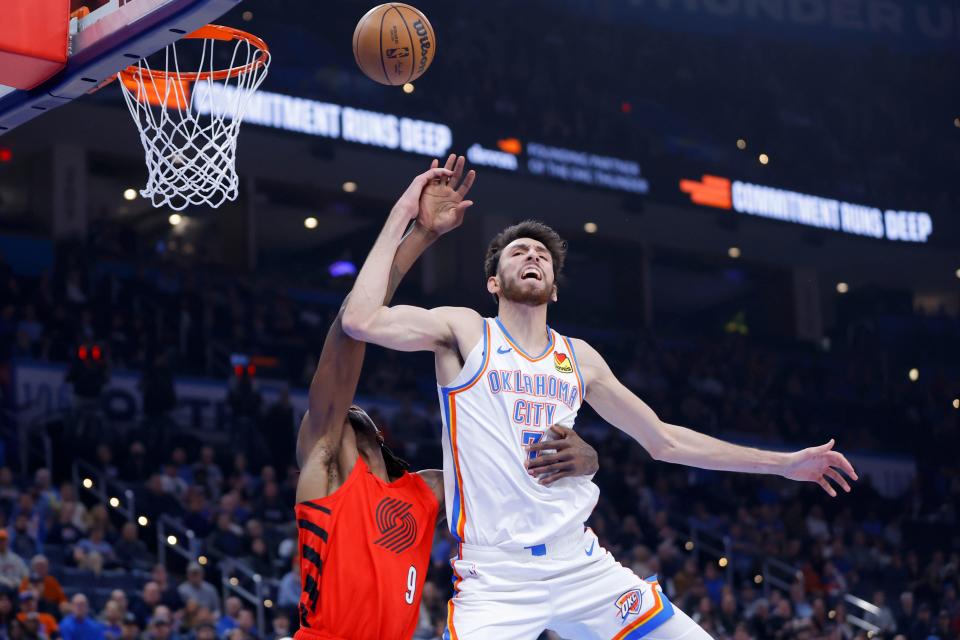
52 597
22 542
169 594
259 558
154 502
7 612
247 623
123 604
34 521
288 594
199 514
136 467
94 553
130 629
130 550
110 619
78 625
144 606
161 626
270 508
231 616
281 627
66 531
28 611
184 469
68 498
205 631
196 588
228 536
104 463
48 498
172 483
207 466
13 569
9 492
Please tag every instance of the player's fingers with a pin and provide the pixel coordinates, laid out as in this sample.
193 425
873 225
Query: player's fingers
567 472
826 487
839 479
468 181
457 170
451 160
561 431
434 173
839 460
543 461
824 447
463 206
546 474
547 445
434 164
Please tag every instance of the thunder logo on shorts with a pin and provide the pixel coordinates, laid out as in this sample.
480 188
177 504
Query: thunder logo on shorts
629 603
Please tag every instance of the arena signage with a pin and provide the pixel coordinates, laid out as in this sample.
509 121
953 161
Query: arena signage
585 168
809 210
338 122
329 120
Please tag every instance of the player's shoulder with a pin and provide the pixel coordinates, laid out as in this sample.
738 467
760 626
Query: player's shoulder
433 478
583 349
458 315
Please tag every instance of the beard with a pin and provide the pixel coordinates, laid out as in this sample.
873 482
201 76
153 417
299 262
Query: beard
514 291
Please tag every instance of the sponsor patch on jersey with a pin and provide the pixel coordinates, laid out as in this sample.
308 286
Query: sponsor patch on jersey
562 363
629 603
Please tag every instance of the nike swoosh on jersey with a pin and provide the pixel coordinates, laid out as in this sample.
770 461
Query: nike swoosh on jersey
502 351
590 551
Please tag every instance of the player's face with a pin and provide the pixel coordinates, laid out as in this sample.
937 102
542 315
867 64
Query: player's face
525 273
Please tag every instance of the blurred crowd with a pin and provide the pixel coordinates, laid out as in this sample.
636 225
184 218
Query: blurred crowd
709 537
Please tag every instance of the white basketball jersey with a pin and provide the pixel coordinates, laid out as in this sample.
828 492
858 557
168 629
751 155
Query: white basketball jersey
502 400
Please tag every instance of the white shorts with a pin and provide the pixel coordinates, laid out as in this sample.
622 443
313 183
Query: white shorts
570 585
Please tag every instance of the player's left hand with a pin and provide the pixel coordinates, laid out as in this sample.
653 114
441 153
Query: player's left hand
816 464
442 203
572 457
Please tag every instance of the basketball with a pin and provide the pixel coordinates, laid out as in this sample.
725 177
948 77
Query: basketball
394 43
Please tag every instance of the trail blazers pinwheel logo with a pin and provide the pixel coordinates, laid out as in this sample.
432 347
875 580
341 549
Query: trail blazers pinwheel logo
396 524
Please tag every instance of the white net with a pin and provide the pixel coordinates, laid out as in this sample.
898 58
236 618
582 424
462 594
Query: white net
190 142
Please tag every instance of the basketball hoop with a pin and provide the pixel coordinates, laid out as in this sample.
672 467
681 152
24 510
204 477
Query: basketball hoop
191 142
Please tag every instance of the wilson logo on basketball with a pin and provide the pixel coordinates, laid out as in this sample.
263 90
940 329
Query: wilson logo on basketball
629 603
402 52
562 363
422 33
396 524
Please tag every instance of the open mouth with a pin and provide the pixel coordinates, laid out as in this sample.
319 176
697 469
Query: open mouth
531 273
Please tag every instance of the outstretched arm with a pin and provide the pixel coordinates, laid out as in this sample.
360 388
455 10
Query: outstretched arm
407 328
334 382
672 443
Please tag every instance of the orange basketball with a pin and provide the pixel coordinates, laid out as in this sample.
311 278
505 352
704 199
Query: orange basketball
394 43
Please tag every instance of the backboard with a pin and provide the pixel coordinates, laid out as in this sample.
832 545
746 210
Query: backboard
104 38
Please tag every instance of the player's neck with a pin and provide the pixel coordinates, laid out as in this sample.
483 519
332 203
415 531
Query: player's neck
374 458
527 325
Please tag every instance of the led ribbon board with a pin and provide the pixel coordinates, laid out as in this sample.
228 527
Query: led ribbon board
809 210
434 139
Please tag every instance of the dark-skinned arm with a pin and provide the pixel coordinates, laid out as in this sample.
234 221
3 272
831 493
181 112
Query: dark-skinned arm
335 380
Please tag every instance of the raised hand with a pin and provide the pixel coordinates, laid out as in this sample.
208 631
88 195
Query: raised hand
572 457
408 206
816 464
442 203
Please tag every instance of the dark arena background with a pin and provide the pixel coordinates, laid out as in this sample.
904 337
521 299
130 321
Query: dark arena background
762 205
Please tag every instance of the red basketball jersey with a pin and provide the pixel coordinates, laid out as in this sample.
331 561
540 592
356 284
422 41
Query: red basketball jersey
365 550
